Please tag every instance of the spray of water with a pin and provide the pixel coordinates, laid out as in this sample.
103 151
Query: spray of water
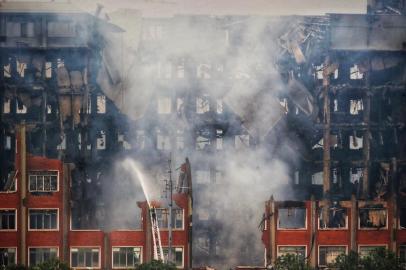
134 169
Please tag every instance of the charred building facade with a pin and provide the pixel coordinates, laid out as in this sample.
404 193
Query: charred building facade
59 137
307 108
347 106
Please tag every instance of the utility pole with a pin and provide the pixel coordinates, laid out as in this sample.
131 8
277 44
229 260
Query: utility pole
169 188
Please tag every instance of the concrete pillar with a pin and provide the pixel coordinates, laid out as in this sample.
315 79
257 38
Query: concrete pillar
272 231
313 234
66 210
22 151
365 140
326 128
354 223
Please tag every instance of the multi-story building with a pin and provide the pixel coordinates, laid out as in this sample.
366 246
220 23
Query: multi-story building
350 179
58 132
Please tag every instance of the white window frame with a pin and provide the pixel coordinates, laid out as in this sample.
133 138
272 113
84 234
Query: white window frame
373 229
371 245
16 255
318 252
278 254
183 254
39 191
287 229
79 247
335 229
127 267
15 220
57 219
31 247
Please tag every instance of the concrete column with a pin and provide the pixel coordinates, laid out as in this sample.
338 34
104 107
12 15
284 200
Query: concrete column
313 234
22 150
354 223
326 129
365 140
66 210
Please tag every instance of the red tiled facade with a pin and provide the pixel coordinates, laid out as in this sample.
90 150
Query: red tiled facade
22 238
312 237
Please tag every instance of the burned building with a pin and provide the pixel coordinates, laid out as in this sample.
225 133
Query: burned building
60 136
309 108
346 103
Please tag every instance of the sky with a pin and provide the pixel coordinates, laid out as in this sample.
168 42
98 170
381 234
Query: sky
164 8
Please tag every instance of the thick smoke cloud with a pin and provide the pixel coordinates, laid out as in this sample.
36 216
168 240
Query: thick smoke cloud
249 86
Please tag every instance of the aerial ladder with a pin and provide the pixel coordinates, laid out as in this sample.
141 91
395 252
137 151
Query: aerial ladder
156 236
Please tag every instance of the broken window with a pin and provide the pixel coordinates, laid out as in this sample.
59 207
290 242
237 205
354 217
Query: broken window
335 103
62 145
7 143
43 219
180 104
372 218
355 73
296 178
7 105
177 255
356 175
40 255
61 29
7 257
219 104
43 181
101 140
355 142
202 143
333 218
333 142
162 217
202 105
202 176
292 218
126 257
85 257
317 178
329 254
13 29
365 251
101 104
163 141
299 251
356 106
7 71
48 70
21 108
27 29
242 141
402 218
8 184
21 67
164 105
203 71
219 139
8 219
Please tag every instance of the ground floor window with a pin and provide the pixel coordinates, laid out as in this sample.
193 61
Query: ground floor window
402 253
126 257
40 255
329 254
85 257
177 255
365 251
7 257
295 250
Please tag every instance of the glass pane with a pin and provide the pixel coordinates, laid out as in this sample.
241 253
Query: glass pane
292 218
95 258
33 183
88 258
74 262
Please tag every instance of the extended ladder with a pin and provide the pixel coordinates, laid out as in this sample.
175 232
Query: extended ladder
156 236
